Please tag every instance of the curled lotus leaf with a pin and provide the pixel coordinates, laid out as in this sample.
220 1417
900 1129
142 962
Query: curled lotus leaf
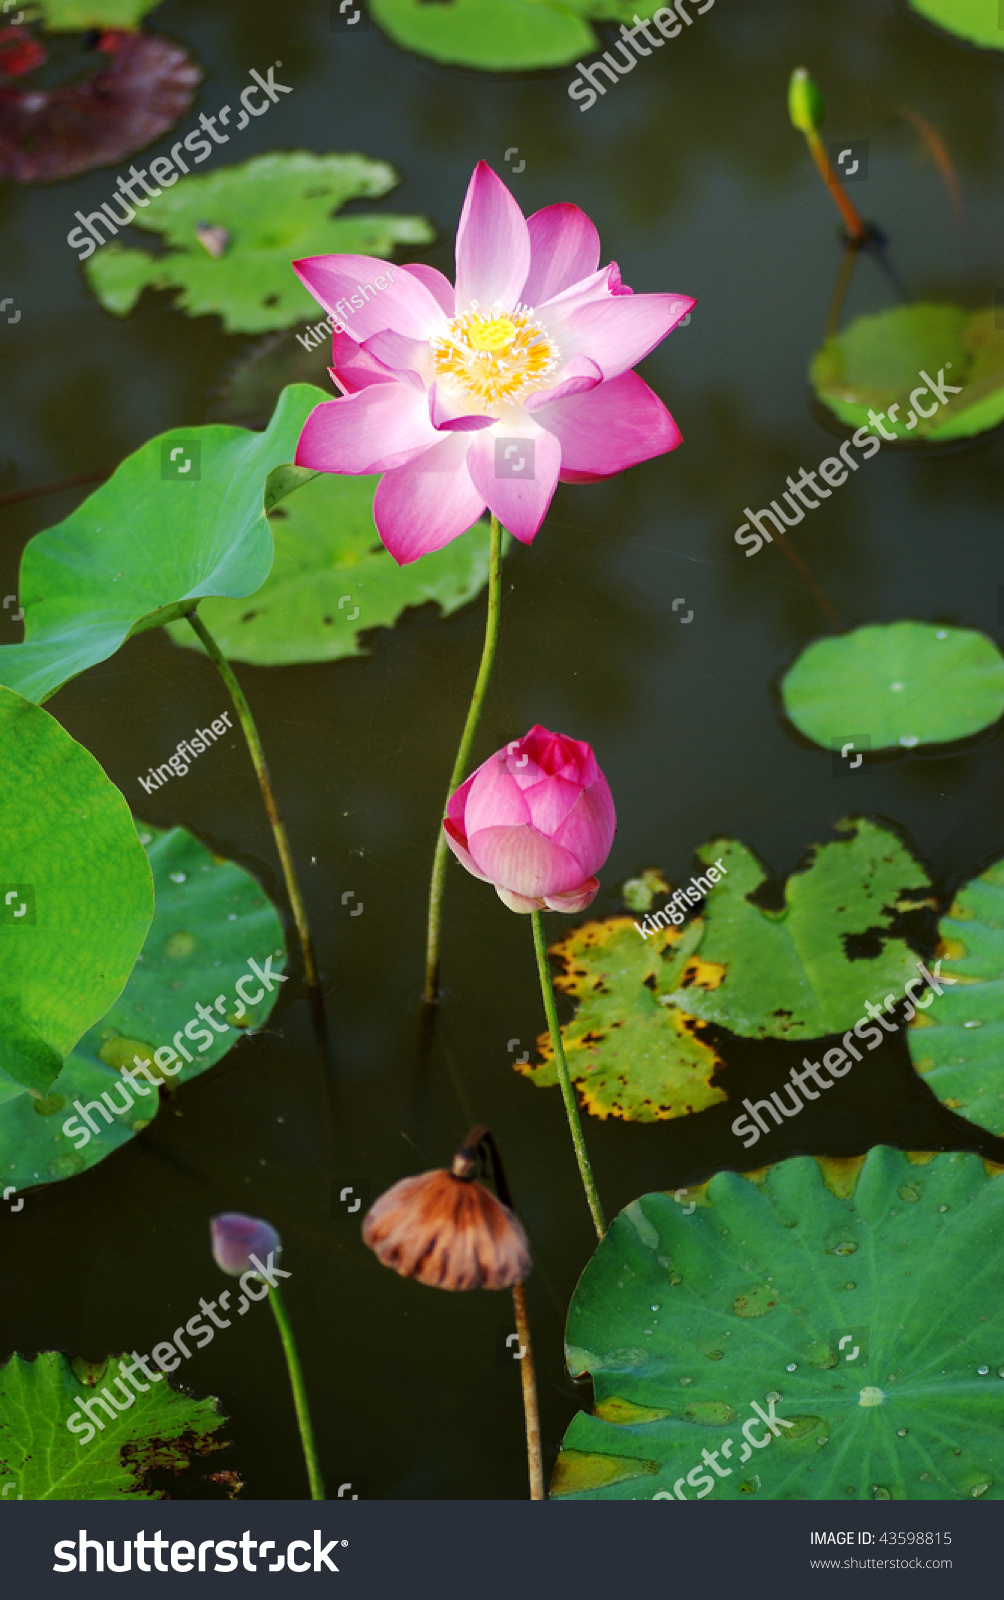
141 91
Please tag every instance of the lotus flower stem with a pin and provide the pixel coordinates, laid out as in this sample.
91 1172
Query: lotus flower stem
299 1393
857 229
807 110
528 1377
430 994
254 745
567 1092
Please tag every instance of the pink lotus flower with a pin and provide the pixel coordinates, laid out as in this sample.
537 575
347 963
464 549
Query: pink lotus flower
536 820
534 348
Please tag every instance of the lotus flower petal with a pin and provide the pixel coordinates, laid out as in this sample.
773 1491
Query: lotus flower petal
533 348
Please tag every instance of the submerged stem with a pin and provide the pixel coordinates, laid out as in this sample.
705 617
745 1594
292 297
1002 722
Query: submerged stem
430 994
254 745
567 1092
299 1393
528 1378
848 262
788 550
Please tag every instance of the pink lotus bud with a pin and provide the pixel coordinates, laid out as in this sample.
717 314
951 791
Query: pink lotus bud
537 821
237 1238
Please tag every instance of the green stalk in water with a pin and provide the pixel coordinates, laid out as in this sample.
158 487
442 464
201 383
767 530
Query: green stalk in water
806 109
299 1393
567 1092
430 993
257 753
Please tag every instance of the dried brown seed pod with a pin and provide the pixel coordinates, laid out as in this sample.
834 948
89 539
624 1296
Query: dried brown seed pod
449 1232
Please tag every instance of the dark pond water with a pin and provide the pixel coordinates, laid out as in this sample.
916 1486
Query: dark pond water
698 184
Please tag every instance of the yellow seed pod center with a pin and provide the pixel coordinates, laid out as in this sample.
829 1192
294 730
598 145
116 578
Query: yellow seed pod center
491 333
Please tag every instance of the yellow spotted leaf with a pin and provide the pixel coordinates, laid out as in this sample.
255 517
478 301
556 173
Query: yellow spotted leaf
630 1054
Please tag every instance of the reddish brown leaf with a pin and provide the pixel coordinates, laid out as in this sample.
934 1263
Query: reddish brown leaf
56 133
19 52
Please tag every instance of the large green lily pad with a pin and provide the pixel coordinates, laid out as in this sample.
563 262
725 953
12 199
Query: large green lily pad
977 21
162 1429
210 917
71 16
806 970
504 35
332 580
75 893
276 208
872 1325
881 360
500 35
957 1042
896 684
629 1055
147 545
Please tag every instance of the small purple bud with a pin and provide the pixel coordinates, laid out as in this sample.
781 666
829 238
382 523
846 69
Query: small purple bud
236 1238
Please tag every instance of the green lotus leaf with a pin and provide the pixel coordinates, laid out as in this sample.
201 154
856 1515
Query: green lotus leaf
977 21
75 894
151 542
497 35
210 918
806 970
332 580
161 1429
889 358
275 209
867 1329
629 1055
957 1041
895 684
71 16
506 35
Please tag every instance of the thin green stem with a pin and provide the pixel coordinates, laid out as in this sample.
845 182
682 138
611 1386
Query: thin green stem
430 994
299 1393
254 745
567 1092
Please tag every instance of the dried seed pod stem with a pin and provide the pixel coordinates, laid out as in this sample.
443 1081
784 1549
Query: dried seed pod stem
448 1231
528 1376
